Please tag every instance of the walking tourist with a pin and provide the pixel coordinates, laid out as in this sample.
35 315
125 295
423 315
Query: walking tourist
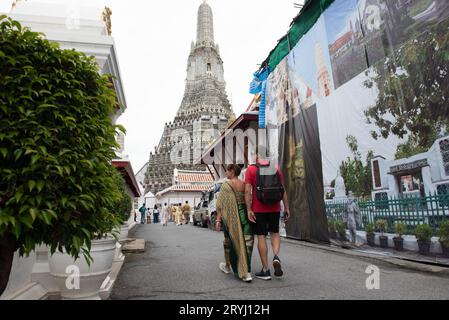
178 215
156 214
238 231
186 212
165 214
264 191
142 211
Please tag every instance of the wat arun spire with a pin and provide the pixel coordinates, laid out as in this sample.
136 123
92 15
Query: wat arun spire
205 106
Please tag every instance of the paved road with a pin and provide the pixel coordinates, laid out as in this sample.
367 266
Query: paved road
181 262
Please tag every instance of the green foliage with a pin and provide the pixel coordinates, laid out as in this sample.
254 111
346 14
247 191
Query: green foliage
400 229
381 225
444 232
340 226
369 228
122 205
413 90
356 174
56 144
423 232
331 226
409 148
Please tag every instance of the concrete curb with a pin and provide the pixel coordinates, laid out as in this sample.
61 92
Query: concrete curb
398 262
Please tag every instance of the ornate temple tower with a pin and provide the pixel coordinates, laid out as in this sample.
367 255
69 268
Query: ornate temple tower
205 106
324 80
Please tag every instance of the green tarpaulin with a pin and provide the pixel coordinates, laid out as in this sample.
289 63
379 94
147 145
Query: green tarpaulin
300 26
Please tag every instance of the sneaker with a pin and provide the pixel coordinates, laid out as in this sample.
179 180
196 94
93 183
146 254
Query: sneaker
264 275
247 278
223 267
277 267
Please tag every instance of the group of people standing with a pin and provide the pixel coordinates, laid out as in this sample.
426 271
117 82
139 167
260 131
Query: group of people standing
181 213
248 208
178 213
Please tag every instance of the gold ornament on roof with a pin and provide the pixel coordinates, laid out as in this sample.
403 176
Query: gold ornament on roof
107 12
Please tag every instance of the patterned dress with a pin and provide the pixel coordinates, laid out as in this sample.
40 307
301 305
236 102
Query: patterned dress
238 231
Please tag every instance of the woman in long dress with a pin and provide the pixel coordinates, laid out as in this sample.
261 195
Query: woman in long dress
238 231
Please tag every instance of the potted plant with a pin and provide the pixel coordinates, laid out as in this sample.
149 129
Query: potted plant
400 229
332 229
381 225
423 235
341 230
369 228
444 237
56 177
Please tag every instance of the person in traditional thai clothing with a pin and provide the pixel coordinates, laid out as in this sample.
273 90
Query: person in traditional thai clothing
173 213
186 212
238 231
178 215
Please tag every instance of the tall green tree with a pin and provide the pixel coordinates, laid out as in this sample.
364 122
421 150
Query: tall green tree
413 91
356 174
57 141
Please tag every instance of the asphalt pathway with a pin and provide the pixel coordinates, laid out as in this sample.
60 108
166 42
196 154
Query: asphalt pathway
181 263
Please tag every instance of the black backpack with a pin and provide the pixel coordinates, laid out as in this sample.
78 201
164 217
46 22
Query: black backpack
269 188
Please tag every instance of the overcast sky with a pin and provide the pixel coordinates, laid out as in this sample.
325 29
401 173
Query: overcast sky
153 43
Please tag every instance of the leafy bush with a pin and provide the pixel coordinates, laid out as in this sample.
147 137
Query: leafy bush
423 232
340 226
123 203
57 141
369 228
400 229
444 232
331 226
381 225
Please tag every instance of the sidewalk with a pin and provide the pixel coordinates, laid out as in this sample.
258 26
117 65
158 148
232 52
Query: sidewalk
408 260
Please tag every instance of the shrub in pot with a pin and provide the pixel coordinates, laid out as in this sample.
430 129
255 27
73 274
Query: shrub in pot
332 229
57 141
400 229
369 228
341 230
444 237
423 234
381 225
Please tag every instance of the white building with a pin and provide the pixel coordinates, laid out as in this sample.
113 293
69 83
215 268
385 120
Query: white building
86 30
187 186
418 175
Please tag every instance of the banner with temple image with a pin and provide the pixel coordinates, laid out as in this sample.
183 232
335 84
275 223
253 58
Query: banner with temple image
370 79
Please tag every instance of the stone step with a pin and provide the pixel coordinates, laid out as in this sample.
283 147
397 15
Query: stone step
133 245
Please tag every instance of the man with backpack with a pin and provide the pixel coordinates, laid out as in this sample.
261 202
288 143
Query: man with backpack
264 191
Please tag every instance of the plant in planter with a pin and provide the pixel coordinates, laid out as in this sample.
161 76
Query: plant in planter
381 225
444 237
400 229
122 206
332 229
369 228
423 234
57 141
340 226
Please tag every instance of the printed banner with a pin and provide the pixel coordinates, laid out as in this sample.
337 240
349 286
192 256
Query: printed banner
361 104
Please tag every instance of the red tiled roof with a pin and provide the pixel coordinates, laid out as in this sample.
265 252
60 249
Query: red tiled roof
125 168
194 177
186 188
